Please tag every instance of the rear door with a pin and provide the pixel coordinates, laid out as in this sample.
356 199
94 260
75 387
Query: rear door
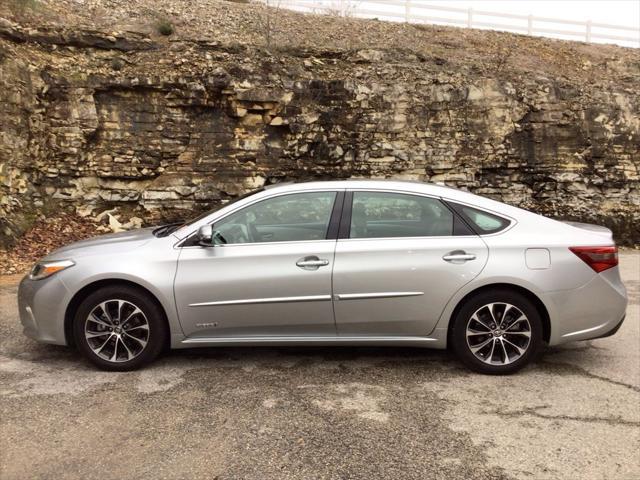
399 259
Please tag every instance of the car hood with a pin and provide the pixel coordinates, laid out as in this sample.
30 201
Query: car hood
110 243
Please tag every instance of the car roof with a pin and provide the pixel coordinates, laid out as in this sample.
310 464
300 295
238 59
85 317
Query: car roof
364 183
400 185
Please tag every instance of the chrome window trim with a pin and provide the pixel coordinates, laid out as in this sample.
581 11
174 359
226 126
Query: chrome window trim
375 239
227 245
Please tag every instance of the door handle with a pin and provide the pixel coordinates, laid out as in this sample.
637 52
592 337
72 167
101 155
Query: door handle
458 256
312 263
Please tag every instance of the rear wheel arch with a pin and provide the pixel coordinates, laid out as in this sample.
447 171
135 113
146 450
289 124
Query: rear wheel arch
87 290
540 307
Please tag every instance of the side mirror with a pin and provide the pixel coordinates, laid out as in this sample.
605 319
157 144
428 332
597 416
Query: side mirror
205 235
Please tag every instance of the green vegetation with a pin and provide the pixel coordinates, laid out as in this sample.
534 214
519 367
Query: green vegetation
164 27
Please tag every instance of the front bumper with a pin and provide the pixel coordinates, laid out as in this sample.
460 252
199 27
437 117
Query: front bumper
41 305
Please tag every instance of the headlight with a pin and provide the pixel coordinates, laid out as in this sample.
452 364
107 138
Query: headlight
45 269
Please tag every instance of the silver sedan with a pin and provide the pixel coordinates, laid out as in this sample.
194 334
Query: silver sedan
334 263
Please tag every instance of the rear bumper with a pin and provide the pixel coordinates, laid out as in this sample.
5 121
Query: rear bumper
592 311
614 330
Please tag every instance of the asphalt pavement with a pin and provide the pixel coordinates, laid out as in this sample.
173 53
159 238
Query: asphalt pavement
316 413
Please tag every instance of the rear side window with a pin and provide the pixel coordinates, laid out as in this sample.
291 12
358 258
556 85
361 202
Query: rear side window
387 215
482 222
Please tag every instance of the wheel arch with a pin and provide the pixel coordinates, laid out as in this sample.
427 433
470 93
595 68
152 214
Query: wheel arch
540 306
85 291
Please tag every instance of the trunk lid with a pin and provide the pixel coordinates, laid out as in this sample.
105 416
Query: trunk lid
603 232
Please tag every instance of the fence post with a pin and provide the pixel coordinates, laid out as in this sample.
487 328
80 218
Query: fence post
469 17
530 24
588 36
407 10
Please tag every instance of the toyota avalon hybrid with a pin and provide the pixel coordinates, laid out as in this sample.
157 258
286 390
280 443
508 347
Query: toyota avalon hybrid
333 263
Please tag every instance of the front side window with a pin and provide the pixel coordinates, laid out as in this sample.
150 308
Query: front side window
286 218
385 215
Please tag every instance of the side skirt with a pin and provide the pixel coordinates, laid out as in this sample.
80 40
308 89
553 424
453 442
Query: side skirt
426 342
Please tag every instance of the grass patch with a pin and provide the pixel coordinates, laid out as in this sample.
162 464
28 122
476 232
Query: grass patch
164 27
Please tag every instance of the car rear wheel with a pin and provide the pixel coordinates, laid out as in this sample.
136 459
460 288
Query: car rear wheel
497 332
119 328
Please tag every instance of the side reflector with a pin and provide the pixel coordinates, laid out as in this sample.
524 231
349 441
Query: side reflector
598 258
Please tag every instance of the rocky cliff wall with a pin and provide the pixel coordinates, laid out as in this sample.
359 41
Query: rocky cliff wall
162 129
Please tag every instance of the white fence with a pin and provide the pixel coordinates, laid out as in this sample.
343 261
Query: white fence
417 11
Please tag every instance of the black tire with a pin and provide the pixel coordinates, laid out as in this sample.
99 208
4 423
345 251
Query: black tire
478 303
155 336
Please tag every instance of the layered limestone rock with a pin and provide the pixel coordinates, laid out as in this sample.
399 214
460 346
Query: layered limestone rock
163 130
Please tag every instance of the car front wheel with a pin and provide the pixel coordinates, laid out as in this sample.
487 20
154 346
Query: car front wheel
497 332
119 328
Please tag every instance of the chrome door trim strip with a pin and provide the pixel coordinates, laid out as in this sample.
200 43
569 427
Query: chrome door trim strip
357 296
253 301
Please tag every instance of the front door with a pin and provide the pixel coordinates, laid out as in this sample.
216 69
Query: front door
400 265
272 277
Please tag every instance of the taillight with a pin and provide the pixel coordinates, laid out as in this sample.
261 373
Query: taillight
598 258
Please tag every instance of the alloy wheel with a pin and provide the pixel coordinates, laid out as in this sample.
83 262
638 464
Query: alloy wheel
117 330
498 333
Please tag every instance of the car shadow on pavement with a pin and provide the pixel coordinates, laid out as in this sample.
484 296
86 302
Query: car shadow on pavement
303 355
341 356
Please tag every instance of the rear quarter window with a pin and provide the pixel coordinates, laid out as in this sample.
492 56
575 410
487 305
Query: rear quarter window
482 222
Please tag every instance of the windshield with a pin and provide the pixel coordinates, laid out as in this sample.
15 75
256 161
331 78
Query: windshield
168 229
209 212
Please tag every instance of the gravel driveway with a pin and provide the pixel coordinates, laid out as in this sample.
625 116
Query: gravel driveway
277 413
